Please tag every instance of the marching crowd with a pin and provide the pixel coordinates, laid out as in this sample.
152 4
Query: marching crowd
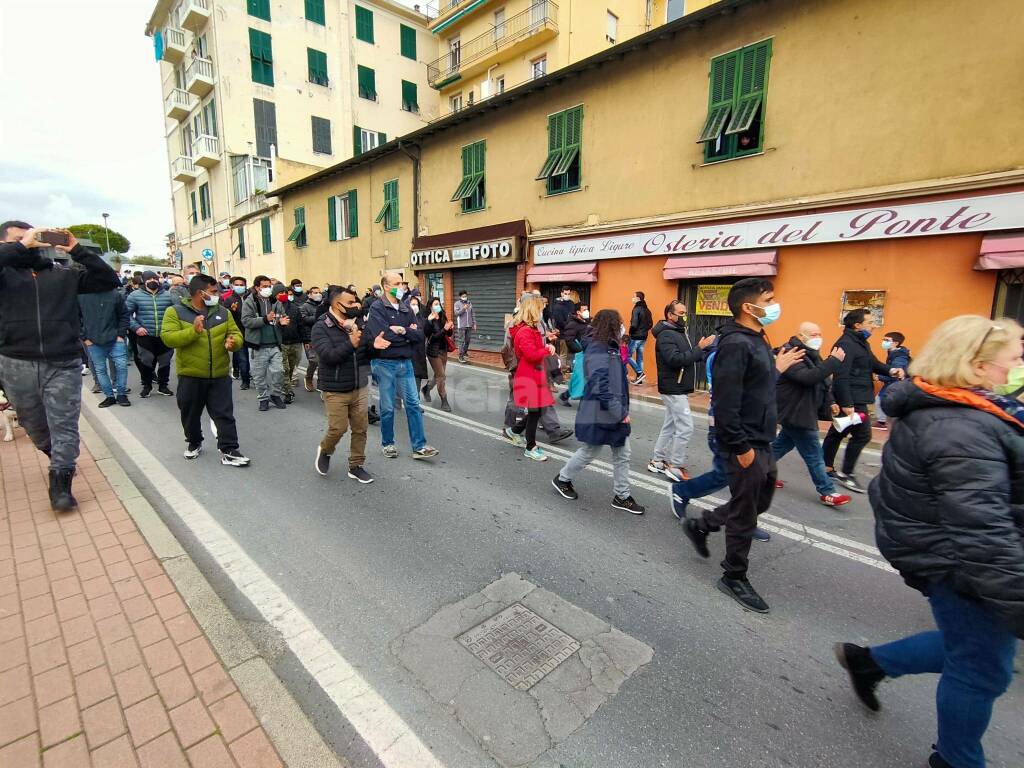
948 502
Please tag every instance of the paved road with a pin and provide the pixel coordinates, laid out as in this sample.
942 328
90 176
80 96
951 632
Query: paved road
367 564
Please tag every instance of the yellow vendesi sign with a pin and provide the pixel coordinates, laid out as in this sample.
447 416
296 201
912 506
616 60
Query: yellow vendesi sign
713 300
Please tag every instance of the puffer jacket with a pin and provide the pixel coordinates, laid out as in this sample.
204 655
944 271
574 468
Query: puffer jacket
677 359
605 400
949 501
308 315
148 309
201 355
342 366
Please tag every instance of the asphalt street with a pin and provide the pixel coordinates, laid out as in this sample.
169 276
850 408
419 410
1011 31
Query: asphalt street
725 688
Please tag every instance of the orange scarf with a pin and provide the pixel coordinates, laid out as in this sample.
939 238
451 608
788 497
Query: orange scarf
965 397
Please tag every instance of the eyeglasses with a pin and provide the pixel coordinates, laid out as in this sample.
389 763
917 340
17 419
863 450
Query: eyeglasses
984 338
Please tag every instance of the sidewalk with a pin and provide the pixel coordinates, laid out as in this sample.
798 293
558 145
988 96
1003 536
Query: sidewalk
101 661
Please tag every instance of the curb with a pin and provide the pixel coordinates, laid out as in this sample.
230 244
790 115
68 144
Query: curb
293 735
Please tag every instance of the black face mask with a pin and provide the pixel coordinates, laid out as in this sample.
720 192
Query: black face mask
152 285
352 312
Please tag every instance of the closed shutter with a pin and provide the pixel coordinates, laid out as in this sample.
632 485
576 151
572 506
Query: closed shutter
410 102
261 55
367 79
357 140
382 138
315 11
353 213
265 233
241 242
332 219
265 114
493 293
321 135
408 41
260 9
364 24
317 65
195 211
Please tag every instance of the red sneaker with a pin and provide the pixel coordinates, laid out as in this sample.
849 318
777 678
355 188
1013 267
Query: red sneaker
834 500
779 484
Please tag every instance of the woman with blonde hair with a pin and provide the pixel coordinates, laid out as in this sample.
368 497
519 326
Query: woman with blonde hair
530 381
949 516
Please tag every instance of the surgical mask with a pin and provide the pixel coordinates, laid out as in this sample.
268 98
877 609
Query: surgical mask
771 313
297 288
239 289
585 314
1014 381
152 285
282 297
437 309
398 293
636 299
210 301
291 298
887 345
813 343
226 283
864 333
315 297
265 292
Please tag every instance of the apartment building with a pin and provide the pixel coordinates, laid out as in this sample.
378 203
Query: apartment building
257 92
486 47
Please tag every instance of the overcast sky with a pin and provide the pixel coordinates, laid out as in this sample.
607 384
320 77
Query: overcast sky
81 127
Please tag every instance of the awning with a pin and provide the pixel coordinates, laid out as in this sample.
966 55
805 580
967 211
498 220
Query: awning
728 264
1004 251
578 272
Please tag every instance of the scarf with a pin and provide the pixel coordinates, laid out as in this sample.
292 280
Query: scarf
1006 408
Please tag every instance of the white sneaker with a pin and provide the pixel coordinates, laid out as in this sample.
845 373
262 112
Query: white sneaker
193 451
655 467
536 454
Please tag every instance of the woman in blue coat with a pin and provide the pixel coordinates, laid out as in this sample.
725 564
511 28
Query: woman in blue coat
603 417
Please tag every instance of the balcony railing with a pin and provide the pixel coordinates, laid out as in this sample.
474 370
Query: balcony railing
183 169
436 7
206 151
199 76
541 15
195 14
174 45
179 104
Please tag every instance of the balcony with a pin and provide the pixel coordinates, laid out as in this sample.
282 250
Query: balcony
195 14
206 151
174 45
535 25
179 104
183 169
199 77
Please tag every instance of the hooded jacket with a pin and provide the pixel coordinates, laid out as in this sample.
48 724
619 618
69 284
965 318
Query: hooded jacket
201 355
744 389
342 367
949 501
105 317
39 316
803 389
640 321
853 384
677 359
605 400
147 309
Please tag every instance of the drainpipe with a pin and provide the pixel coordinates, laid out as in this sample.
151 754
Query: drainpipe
416 197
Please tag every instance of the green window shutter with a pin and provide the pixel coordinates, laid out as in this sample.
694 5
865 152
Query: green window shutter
317 62
408 40
261 55
315 11
556 143
332 219
410 103
394 205
364 24
353 213
472 176
265 234
195 214
357 140
210 117
753 75
241 242
204 201
720 96
367 79
260 9
573 140
389 213
382 138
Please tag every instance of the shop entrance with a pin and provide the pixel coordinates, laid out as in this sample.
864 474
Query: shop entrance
705 301
493 293
552 291
1009 301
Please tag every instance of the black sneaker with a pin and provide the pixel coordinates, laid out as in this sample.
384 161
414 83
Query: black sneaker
565 488
264 405
744 594
289 399
629 504
233 459
277 402
244 385
760 534
425 391
865 674
937 761
640 379
322 463
107 402
697 537
146 389
193 450
360 474
234 373
123 400
163 390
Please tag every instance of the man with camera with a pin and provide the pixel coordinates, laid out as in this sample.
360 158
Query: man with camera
40 351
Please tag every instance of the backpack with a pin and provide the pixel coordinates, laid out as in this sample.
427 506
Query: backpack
508 353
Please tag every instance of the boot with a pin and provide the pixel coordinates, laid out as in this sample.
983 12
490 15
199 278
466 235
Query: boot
60 490
444 405
426 392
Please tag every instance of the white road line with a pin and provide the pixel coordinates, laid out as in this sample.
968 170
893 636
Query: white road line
392 740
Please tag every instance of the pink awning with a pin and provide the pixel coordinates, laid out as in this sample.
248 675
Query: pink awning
728 264
1005 251
579 272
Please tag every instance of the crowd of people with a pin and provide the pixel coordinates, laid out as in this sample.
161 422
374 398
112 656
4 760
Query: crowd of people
948 500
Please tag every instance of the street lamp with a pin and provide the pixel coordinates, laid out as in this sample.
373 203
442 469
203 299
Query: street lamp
106 229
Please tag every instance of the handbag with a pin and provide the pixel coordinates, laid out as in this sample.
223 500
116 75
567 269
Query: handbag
450 343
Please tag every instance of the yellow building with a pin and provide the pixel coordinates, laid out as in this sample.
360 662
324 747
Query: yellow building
257 92
737 140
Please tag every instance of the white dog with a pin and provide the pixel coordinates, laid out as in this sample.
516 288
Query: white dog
9 416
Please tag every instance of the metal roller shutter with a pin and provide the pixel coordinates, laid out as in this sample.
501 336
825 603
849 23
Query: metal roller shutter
493 293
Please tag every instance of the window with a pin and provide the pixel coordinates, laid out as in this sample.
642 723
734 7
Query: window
342 216
261 56
499 84
367 83
317 61
538 67
410 103
389 213
298 235
734 126
471 192
265 234
561 169
199 44
265 114
205 211
210 118
363 139
676 10
315 11
321 135
455 102
241 243
240 178
195 210
454 54
364 24
435 285
469 98
186 141
408 41
499 24
612 33
260 9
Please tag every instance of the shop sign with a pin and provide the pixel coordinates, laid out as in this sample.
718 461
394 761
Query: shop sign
872 301
465 255
713 300
938 217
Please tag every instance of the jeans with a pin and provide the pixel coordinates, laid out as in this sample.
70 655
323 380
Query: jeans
267 372
676 431
587 453
347 410
48 399
118 352
396 377
973 651
462 338
860 436
808 445
709 482
636 348
240 360
879 413
214 396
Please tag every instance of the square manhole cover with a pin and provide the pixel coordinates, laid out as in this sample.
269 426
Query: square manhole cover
519 645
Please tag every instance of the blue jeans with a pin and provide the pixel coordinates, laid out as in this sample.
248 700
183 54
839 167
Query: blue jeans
118 352
636 348
709 482
808 444
240 360
396 377
973 651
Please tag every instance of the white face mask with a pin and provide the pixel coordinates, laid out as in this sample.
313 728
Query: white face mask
814 343
265 292
210 301
585 314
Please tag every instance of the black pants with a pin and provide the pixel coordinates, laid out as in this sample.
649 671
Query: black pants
213 396
529 426
154 361
860 436
752 490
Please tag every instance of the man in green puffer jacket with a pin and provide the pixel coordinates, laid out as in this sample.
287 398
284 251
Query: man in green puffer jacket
205 335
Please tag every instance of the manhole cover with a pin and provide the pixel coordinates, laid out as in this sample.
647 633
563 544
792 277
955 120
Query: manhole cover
519 645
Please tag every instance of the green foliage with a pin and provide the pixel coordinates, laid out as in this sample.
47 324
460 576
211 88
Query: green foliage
149 261
98 235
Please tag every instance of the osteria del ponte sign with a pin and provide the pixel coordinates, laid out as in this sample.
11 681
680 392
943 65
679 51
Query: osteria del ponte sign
475 254
937 217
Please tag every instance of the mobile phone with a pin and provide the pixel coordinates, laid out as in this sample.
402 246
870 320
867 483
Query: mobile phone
52 237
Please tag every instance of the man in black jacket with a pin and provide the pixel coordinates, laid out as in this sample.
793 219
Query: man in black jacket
677 374
640 323
745 417
40 355
803 396
105 320
854 390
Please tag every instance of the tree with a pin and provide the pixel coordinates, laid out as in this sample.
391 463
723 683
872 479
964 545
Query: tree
95 232
148 261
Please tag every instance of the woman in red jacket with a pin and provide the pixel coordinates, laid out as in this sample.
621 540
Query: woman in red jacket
530 381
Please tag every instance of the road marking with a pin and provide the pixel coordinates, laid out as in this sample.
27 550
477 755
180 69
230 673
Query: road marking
389 737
